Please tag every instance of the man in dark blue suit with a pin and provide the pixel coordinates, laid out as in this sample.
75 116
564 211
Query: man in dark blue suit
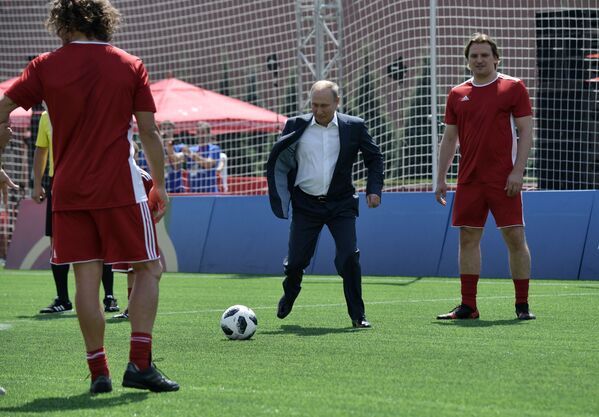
310 167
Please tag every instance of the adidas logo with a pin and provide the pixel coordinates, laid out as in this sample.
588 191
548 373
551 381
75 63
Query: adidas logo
465 98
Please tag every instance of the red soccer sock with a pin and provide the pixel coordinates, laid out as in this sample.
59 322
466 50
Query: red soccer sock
141 350
468 285
521 287
129 292
97 362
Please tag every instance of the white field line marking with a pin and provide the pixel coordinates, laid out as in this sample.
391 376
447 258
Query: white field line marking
487 281
5 326
390 302
365 279
419 280
434 300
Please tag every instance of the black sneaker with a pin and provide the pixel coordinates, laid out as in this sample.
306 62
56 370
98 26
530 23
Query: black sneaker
124 315
110 305
100 385
461 312
523 313
150 379
57 306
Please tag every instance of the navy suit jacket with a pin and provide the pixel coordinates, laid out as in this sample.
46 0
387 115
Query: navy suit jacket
281 168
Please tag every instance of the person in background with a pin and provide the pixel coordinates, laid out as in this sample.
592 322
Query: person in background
174 158
482 114
202 161
43 156
222 174
6 183
128 268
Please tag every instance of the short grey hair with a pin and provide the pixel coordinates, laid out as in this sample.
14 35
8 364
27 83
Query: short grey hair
325 84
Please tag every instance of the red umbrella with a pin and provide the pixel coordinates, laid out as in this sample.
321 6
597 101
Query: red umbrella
185 104
19 117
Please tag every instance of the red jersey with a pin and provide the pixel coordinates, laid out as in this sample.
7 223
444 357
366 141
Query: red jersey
92 90
484 115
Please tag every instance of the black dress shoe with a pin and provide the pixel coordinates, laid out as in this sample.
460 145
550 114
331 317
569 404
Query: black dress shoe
361 323
284 307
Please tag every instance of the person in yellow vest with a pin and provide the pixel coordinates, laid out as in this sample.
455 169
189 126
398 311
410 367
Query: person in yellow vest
42 156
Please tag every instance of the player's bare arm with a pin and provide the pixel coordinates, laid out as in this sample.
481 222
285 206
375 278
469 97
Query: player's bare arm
152 146
174 159
5 135
6 106
40 157
515 180
447 150
6 184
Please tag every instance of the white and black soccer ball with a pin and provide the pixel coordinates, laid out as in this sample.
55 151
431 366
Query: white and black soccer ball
239 322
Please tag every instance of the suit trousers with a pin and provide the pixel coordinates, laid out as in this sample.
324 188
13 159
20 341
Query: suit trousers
309 216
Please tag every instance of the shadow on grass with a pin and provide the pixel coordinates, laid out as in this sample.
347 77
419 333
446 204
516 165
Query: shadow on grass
110 320
478 323
365 282
248 276
309 331
395 284
79 402
55 316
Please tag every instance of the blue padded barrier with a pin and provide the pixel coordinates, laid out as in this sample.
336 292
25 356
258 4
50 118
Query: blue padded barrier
589 268
556 228
188 220
409 234
244 237
403 236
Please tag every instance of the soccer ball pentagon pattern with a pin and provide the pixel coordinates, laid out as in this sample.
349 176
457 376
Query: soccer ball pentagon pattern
239 322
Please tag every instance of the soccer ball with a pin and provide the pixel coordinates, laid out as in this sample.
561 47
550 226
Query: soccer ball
239 322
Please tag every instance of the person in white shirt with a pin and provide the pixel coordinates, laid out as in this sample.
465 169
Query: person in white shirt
221 173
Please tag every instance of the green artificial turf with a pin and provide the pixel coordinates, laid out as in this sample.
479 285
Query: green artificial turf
313 363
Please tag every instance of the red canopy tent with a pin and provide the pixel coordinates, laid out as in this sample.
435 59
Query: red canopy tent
185 104
19 117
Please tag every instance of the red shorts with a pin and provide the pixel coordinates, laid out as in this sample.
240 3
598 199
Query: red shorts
473 201
115 235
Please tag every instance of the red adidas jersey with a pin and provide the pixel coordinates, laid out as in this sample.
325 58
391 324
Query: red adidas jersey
92 90
484 116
